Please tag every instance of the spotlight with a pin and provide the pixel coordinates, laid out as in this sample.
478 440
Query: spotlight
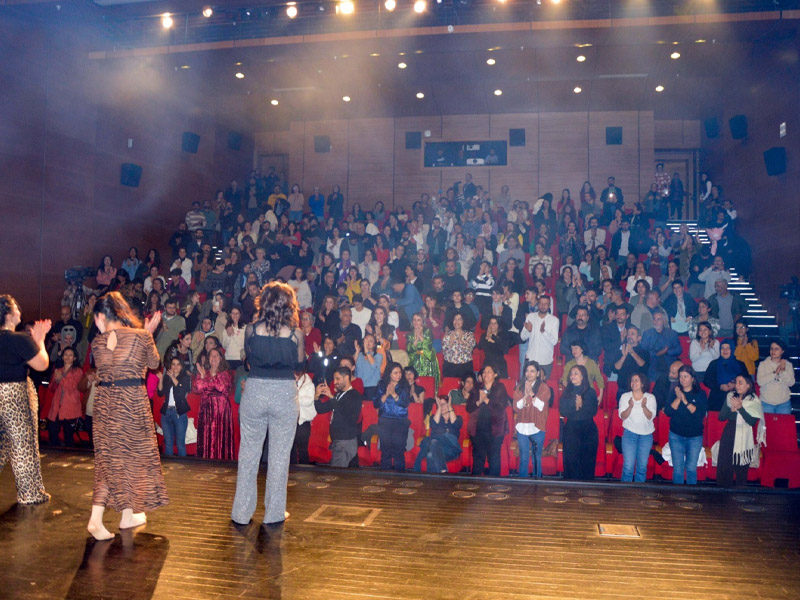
555 1
166 20
420 6
659 88
577 89
420 95
401 65
490 61
291 10
207 12
581 58
273 102
498 92
346 98
701 41
390 5
239 75
675 55
345 7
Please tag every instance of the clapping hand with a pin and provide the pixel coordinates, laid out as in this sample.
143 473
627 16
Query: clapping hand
40 329
151 324
578 402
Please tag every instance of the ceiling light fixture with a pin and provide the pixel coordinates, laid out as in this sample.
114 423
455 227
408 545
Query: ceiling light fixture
274 102
208 11
239 75
659 88
491 62
701 41
420 6
498 92
390 5
577 89
675 55
555 1
346 98
185 67
345 7
291 10
420 95
580 58
166 21
401 65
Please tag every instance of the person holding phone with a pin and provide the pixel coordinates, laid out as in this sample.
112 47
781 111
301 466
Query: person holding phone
441 444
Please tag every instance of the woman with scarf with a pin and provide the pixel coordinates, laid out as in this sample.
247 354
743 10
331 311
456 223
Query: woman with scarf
737 448
720 376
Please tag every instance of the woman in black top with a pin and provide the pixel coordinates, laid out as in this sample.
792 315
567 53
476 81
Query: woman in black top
275 348
174 383
579 434
488 424
495 344
19 405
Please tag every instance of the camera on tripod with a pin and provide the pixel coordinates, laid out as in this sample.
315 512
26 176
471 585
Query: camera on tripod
77 274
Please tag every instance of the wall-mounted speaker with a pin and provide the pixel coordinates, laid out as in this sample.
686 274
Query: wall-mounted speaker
189 142
516 137
738 125
413 140
234 140
322 143
613 136
712 127
775 160
130 175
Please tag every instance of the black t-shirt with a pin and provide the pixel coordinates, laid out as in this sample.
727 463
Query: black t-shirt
16 349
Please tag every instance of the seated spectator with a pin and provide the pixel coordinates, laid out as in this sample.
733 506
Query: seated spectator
65 406
392 399
499 309
741 411
174 383
415 390
531 402
327 320
578 404
662 389
746 349
703 315
540 256
106 272
775 378
663 345
713 273
181 348
721 373
703 349
495 344
214 382
487 423
637 409
584 331
345 426
172 324
686 409
567 291
680 308
441 445
640 274
457 346
300 285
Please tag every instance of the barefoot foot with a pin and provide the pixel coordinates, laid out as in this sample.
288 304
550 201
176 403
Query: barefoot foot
132 520
99 532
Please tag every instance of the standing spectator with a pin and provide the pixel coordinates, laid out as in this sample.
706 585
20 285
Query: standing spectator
487 423
775 378
172 324
680 307
495 344
185 264
663 345
531 403
345 427
726 307
336 204
106 272
611 198
594 237
421 355
67 320
746 349
637 409
703 349
457 346
741 411
721 374
579 357
582 330
703 316
316 203
296 203
214 382
392 399
677 196
179 239
305 400
686 410
195 219
633 358
65 406
579 434
132 263
541 332
174 383
713 273
369 365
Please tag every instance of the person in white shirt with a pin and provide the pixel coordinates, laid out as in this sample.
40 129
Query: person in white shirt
361 314
305 399
712 274
184 263
541 332
148 282
594 236
637 409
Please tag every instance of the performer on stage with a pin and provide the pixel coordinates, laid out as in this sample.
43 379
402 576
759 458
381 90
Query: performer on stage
19 404
275 348
127 466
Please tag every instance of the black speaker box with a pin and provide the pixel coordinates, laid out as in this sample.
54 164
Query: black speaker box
234 140
738 125
712 127
322 143
130 175
775 160
613 136
413 140
189 142
516 137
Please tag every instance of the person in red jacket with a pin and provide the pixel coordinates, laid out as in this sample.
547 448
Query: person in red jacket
65 407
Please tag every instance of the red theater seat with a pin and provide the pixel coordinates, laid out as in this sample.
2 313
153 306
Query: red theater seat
781 454
429 384
447 384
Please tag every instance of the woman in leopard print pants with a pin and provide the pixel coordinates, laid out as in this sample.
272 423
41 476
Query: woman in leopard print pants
19 405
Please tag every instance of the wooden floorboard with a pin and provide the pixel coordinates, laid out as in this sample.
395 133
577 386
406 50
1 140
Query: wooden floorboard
428 544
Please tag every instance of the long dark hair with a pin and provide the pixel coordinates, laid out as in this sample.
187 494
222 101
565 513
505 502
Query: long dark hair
751 386
387 376
115 308
277 307
7 303
581 389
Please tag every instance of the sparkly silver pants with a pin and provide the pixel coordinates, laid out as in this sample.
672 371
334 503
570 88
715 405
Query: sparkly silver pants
267 405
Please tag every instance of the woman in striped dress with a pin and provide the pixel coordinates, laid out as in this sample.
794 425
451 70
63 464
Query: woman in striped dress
127 466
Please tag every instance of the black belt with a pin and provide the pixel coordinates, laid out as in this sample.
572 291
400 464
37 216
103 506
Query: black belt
122 383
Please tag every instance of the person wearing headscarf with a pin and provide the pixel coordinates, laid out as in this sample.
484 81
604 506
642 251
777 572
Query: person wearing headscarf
720 376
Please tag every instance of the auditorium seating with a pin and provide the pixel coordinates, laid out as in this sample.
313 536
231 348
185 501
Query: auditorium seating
781 456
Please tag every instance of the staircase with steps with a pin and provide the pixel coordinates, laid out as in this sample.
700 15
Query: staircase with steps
762 325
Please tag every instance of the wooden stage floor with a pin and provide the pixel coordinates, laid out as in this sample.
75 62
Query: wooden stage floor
368 534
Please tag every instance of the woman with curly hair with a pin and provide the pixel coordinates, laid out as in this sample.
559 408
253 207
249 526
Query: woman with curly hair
274 346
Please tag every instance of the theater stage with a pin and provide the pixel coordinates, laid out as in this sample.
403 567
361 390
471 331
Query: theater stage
368 534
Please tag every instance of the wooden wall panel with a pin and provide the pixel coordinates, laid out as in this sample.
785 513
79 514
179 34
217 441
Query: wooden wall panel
677 134
621 161
521 174
410 177
324 169
647 158
563 152
371 161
